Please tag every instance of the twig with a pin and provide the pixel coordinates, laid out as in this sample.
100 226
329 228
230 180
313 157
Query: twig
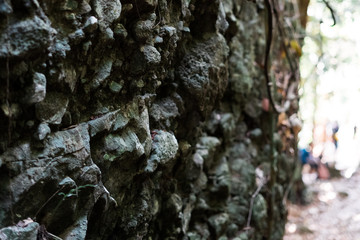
273 175
52 196
331 11
297 168
272 10
160 18
267 52
252 203
282 35
7 101
291 183
54 236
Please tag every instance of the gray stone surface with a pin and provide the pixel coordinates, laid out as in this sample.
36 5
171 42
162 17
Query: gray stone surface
103 72
203 71
37 91
25 37
138 119
107 11
22 232
152 56
42 131
164 149
52 108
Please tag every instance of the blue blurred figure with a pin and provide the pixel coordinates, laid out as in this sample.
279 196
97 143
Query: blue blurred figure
305 154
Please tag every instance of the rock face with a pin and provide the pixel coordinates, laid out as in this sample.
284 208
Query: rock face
144 119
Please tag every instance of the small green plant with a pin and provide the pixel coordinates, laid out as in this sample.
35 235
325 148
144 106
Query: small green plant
74 191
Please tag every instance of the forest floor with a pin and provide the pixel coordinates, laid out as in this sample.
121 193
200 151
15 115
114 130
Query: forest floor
333 214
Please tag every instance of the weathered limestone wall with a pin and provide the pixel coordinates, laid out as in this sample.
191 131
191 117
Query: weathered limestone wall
144 119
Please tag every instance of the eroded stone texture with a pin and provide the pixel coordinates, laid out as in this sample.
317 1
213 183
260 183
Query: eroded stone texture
164 149
28 231
140 120
25 37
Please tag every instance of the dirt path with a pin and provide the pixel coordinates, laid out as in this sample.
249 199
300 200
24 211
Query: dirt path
333 215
